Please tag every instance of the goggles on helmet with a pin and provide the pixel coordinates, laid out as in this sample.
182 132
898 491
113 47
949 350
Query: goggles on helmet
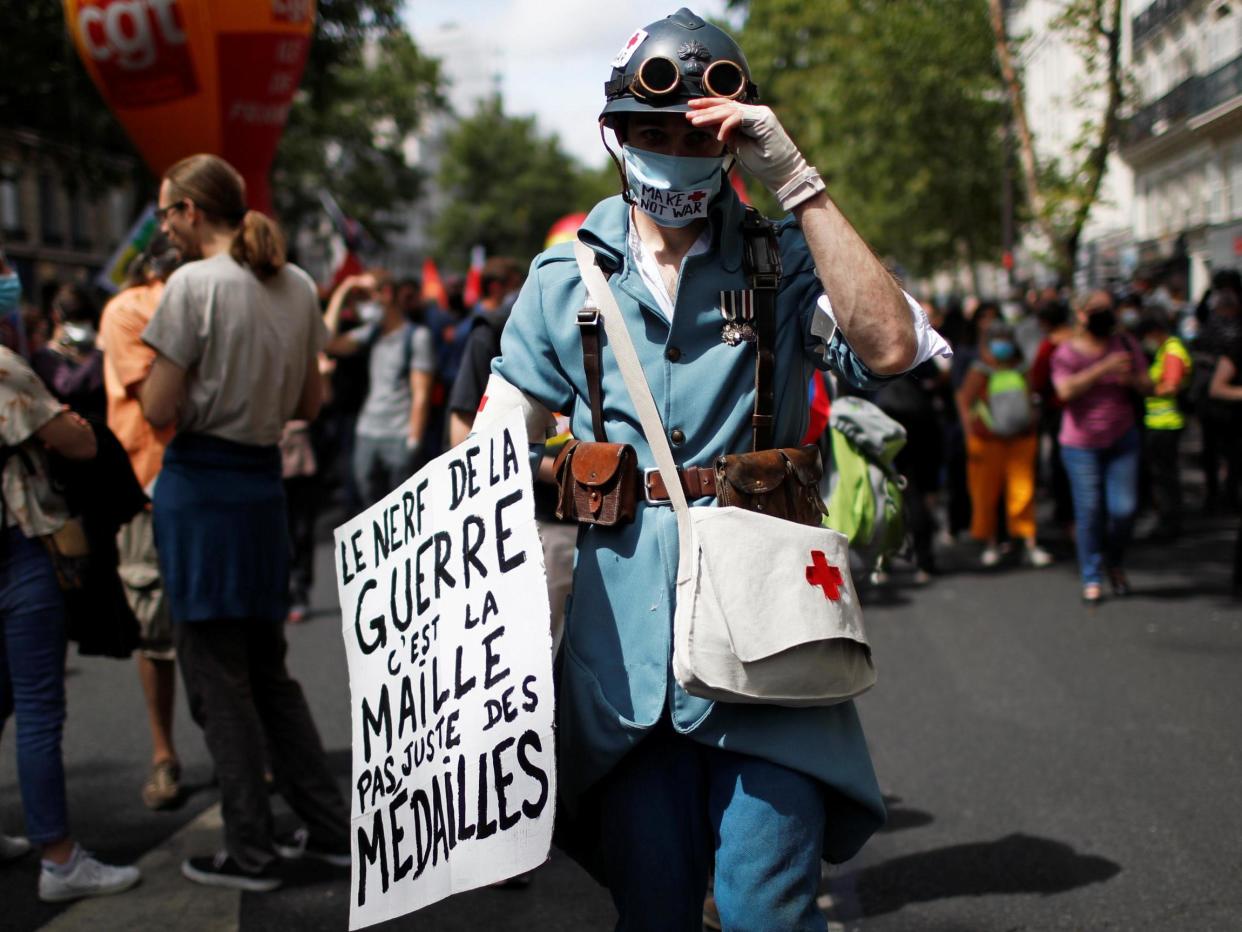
659 78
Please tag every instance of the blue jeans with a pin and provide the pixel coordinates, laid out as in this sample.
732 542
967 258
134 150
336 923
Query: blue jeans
672 805
32 680
1104 484
380 465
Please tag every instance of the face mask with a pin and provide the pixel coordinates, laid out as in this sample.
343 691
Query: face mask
10 292
1101 323
370 311
1129 318
1001 349
674 190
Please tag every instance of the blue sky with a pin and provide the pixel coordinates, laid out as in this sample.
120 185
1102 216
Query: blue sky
551 56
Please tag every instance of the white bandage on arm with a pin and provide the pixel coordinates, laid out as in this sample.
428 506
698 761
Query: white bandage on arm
501 397
930 343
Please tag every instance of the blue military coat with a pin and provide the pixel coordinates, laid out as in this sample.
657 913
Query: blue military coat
615 670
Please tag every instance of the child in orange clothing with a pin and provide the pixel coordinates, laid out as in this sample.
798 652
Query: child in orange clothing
1001 445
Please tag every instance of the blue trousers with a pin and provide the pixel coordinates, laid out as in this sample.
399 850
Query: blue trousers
672 807
32 680
1104 484
380 465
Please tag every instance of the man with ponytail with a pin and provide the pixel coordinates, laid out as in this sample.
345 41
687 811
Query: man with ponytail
237 335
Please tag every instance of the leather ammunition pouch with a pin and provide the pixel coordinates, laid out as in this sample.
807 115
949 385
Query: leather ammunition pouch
783 483
598 483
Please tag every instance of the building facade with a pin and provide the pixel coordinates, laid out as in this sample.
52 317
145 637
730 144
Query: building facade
1184 137
56 227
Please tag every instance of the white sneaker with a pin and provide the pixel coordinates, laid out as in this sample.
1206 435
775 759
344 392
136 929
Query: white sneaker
12 848
88 877
990 557
1037 556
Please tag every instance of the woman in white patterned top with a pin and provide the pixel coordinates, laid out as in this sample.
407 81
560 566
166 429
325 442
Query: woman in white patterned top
32 629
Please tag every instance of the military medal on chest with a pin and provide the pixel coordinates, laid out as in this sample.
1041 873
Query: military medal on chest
738 310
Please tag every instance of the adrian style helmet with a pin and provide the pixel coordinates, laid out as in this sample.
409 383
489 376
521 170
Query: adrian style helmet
672 61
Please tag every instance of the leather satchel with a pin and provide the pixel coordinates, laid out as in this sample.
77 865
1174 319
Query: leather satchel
598 483
783 483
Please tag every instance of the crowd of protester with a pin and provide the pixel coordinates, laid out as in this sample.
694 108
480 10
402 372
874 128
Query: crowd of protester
248 400
1082 401
244 398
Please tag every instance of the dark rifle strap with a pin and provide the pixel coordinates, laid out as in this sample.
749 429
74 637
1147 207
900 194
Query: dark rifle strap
592 363
762 261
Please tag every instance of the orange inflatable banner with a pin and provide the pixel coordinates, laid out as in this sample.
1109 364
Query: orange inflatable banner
187 76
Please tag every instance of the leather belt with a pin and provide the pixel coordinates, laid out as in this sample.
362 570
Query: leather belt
696 482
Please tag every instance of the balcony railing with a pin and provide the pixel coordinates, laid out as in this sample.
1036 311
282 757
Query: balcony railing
1147 23
1221 85
1195 95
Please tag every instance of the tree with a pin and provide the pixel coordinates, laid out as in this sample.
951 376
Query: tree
1061 192
896 102
365 90
44 88
505 184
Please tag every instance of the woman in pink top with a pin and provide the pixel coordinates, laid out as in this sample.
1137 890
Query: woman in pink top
1096 374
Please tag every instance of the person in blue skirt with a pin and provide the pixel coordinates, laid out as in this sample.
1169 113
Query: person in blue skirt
237 334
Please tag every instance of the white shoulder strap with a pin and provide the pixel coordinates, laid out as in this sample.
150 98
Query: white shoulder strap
635 381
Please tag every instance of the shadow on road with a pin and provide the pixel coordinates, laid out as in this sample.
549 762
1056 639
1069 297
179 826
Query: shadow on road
1013 864
902 817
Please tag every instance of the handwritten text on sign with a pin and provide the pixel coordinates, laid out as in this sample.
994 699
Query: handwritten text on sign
446 627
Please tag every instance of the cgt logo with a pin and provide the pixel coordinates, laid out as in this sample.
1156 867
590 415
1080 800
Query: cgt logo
139 49
291 11
129 32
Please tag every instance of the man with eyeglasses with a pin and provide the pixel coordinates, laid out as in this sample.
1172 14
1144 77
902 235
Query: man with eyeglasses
657 785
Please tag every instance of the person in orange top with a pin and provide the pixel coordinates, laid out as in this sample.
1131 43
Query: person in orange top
126 363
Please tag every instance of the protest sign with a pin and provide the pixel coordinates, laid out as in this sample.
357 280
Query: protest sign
115 271
446 625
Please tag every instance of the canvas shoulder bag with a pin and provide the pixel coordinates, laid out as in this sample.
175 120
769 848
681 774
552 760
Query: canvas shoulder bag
766 611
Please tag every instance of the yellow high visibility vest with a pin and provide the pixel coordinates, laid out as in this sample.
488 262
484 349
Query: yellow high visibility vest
1166 413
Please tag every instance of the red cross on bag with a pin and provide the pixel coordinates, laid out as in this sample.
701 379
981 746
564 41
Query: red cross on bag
822 573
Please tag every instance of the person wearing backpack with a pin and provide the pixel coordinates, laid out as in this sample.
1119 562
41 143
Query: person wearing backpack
393 420
996 406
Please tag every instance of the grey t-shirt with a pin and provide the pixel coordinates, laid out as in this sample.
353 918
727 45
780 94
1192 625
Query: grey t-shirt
244 343
386 411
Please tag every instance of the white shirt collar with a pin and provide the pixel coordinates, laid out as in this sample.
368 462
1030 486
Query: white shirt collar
649 269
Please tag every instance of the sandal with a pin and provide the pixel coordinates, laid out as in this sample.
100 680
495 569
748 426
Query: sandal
163 787
1092 593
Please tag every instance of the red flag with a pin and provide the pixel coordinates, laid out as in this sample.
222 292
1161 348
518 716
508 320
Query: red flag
433 288
472 291
349 264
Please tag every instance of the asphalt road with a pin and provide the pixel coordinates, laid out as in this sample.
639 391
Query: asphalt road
1048 767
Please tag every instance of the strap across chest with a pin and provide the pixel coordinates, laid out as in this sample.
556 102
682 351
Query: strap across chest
751 312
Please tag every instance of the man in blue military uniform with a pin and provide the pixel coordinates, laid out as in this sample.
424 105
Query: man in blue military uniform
658 785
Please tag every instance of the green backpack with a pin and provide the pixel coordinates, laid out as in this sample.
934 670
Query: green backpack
1006 409
865 491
